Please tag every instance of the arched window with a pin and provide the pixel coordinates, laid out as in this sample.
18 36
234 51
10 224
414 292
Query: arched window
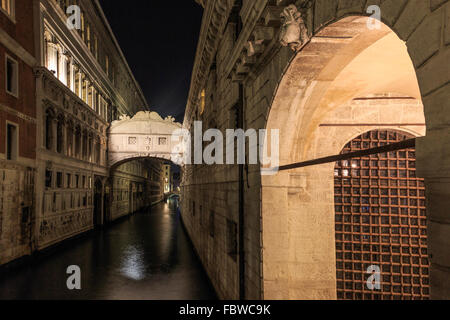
85 142
70 140
49 130
89 149
98 151
78 142
60 135
381 223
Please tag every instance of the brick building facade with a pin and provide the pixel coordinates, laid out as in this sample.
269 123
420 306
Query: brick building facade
17 129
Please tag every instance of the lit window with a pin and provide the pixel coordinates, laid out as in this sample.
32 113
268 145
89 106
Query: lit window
82 26
88 36
107 65
12 76
202 101
8 7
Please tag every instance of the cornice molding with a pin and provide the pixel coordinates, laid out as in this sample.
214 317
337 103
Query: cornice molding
13 46
56 19
267 27
213 24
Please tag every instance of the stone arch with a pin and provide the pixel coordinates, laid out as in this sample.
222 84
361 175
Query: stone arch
128 158
297 261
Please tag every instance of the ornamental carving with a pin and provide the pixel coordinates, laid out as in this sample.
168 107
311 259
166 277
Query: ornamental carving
293 30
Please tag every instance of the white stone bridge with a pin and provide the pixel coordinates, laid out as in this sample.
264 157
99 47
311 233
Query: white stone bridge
144 135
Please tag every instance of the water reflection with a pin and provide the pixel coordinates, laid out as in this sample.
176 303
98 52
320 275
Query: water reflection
133 263
146 256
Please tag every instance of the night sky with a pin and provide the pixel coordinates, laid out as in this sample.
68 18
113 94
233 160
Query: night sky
159 40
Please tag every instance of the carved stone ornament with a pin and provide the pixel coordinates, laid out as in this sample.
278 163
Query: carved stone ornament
124 117
293 30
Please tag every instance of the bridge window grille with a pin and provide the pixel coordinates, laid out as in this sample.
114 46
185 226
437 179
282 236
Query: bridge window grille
380 221
132 140
162 141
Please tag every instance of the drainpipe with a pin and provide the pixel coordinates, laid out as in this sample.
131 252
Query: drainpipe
241 202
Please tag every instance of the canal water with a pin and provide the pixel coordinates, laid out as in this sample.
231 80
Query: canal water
145 257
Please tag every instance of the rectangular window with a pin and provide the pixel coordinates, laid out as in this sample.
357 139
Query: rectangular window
90 99
83 185
232 245
107 65
162 141
82 25
59 180
48 178
8 7
193 208
95 46
69 181
77 181
12 76
76 84
88 35
11 142
84 94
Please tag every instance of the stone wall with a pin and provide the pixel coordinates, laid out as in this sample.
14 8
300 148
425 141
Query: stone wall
17 175
136 185
17 211
290 90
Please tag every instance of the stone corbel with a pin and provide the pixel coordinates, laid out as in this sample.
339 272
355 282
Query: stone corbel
254 47
294 32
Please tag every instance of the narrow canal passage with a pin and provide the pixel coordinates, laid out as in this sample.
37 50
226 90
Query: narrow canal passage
147 257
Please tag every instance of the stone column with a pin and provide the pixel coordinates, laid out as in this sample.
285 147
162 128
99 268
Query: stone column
72 75
63 67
